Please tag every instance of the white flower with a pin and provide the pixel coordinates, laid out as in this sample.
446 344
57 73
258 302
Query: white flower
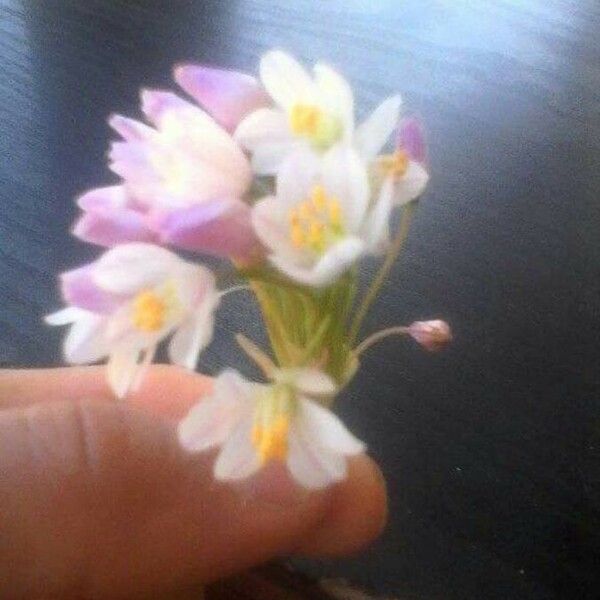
125 303
254 424
310 112
320 220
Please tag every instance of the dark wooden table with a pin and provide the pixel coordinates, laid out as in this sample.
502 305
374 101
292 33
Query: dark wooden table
491 449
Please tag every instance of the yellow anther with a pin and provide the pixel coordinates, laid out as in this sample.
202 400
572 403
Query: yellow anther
318 197
306 211
305 119
316 235
149 312
298 235
335 212
395 164
271 442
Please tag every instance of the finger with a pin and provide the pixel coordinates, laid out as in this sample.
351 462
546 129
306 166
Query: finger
23 387
99 501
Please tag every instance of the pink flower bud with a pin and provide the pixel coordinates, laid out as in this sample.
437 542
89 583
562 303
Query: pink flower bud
432 335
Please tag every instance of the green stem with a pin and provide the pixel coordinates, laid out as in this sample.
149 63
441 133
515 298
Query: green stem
384 270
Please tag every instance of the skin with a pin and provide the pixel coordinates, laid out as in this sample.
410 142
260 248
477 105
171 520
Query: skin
97 500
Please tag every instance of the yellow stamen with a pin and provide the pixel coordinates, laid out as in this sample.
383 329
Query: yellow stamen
395 164
316 222
305 119
149 312
271 442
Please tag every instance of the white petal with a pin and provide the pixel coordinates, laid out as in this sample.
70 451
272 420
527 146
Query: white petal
86 341
372 135
412 184
336 96
376 231
326 430
194 334
238 458
310 381
209 423
128 268
67 315
330 266
345 176
296 177
267 159
144 365
122 369
286 81
311 466
271 225
263 126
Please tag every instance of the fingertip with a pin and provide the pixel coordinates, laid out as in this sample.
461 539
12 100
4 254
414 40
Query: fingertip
356 516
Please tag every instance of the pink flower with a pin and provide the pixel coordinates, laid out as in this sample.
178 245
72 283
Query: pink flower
183 183
129 300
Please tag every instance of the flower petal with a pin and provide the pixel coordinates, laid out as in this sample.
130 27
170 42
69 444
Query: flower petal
345 176
411 138
286 81
122 368
113 197
376 230
108 227
221 226
86 343
312 466
65 316
227 95
336 96
329 267
210 422
373 133
412 184
128 268
327 429
309 381
263 126
194 334
238 459
78 288
157 103
296 177
130 129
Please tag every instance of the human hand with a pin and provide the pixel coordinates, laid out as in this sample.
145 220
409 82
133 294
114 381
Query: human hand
97 500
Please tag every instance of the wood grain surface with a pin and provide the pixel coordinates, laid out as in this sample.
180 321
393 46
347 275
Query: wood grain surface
490 449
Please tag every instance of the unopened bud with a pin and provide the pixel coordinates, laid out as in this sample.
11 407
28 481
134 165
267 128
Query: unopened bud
432 335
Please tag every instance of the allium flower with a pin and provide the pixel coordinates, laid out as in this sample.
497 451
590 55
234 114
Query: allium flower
320 220
125 303
255 424
183 183
310 112
404 169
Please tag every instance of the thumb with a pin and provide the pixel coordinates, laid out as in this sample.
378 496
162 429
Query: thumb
99 501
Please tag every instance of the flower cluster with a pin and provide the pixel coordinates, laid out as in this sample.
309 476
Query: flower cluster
274 176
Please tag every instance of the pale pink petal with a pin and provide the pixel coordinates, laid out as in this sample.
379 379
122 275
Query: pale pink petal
108 227
411 139
127 268
312 466
264 126
130 129
372 135
85 342
227 95
79 289
194 334
412 184
238 459
113 197
326 430
221 227
157 103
